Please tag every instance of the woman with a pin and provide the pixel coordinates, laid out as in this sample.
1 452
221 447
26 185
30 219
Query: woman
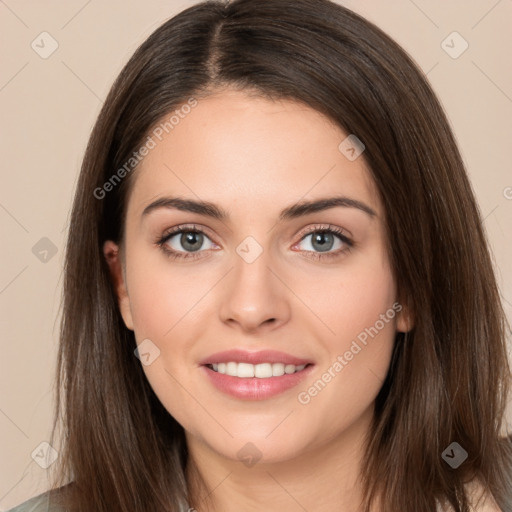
278 294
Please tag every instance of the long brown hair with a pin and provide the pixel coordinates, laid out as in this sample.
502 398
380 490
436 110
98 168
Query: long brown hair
449 377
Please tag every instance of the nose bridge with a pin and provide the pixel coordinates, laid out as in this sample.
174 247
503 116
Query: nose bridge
253 295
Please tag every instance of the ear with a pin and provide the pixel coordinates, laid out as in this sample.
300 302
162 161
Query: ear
111 253
404 318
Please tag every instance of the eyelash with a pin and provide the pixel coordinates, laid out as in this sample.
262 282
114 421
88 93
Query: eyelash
171 253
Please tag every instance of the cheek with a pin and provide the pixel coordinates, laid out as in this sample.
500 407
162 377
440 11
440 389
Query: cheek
353 299
358 312
167 309
163 297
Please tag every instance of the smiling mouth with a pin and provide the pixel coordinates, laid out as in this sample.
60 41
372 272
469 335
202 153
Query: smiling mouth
260 371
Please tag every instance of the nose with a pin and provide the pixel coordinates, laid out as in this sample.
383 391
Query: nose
253 297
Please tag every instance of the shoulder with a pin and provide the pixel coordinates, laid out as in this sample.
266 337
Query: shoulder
41 503
479 499
44 503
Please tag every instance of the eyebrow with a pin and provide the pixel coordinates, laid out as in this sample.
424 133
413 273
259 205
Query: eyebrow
292 212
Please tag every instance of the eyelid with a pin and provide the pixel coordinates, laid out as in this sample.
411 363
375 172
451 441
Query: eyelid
324 227
168 233
301 234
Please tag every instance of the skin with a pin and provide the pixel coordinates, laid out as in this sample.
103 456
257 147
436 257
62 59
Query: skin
254 157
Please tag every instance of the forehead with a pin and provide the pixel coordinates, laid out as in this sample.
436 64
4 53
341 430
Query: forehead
235 148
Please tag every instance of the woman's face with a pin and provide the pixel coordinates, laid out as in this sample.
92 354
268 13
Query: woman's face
254 271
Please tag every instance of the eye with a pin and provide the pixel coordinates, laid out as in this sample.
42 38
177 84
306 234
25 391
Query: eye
185 242
191 241
324 241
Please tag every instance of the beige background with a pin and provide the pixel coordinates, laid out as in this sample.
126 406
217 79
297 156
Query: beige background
49 106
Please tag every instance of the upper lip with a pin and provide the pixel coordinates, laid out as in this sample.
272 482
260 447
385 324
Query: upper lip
262 356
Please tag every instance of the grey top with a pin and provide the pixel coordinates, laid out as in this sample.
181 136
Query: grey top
42 503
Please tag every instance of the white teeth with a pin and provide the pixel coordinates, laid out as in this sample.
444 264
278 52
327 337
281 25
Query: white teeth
277 369
261 371
289 368
241 370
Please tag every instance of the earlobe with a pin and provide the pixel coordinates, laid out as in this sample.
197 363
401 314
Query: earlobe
404 320
112 256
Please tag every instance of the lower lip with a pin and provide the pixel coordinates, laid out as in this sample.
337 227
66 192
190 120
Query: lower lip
254 388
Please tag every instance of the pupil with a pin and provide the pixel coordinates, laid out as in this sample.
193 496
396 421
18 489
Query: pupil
324 240
190 240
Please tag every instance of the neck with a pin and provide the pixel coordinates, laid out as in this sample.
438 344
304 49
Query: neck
325 477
